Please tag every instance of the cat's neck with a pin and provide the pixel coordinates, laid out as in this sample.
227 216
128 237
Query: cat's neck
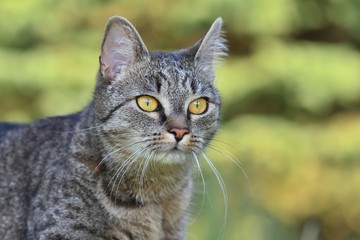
86 146
155 183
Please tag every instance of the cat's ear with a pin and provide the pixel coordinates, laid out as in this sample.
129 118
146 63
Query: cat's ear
121 47
210 50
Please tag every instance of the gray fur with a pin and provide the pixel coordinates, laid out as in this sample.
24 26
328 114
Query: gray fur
113 171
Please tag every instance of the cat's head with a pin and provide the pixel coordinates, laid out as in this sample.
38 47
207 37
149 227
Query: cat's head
163 105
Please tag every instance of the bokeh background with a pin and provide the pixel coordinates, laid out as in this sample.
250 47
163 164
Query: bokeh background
291 100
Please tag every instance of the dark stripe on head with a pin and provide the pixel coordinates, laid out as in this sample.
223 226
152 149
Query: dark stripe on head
158 83
104 119
193 86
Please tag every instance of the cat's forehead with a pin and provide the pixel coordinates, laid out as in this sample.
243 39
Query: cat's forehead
173 74
170 63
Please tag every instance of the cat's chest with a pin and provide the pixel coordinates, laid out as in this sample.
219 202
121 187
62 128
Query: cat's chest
140 223
134 222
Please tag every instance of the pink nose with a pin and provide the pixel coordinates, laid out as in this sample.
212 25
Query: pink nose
179 133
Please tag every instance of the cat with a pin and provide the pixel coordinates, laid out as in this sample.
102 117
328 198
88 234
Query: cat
122 167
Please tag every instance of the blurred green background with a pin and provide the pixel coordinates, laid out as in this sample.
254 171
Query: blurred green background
291 100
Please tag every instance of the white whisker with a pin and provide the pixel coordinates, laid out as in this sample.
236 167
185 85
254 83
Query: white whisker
132 159
113 152
204 188
83 129
233 144
232 158
223 190
105 158
124 164
148 159
144 168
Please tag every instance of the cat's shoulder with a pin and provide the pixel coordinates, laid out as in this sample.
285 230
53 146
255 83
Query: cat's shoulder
5 126
41 127
56 123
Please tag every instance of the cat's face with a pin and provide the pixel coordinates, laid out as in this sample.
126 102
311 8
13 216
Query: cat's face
157 105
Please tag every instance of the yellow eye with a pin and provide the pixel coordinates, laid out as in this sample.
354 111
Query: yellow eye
147 103
198 106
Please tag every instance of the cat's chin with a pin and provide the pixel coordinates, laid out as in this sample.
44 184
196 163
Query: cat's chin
173 156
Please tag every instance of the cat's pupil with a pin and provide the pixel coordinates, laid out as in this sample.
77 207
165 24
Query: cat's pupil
197 104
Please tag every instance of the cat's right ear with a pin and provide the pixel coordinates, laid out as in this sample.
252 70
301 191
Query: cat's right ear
209 50
121 47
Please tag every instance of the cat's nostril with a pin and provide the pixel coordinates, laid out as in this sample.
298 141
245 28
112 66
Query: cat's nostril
179 133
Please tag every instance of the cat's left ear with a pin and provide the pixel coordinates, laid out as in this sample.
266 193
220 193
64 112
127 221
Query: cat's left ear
121 47
210 50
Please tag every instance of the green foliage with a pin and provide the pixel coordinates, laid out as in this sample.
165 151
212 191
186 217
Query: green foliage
290 93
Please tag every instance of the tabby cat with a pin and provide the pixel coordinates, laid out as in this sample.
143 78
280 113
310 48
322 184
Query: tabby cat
121 168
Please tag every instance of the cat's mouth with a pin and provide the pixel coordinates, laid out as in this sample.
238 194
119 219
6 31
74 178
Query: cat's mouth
176 148
171 151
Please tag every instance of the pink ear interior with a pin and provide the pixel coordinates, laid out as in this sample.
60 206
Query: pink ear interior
121 47
117 51
111 62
